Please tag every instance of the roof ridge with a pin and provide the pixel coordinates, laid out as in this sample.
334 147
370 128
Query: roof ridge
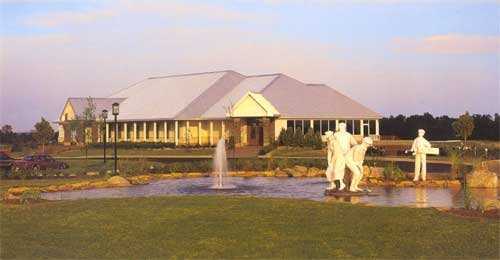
264 75
193 74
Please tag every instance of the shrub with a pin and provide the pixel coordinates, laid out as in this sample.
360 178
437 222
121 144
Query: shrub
292 138
393 173
135 145
30 196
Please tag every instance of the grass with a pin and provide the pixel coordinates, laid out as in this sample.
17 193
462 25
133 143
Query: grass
139 152
77 152
237 227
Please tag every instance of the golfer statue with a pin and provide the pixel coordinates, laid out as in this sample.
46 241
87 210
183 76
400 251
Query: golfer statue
342 144
420 148
354 161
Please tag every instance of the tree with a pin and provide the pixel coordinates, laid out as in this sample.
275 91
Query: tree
6 134
464 126
43 133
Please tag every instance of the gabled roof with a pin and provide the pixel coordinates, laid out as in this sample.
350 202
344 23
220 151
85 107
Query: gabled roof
79 104
251 105
208 95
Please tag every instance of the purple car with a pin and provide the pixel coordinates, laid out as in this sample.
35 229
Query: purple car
38 162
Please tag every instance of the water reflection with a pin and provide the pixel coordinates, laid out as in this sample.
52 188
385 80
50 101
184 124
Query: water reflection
300 188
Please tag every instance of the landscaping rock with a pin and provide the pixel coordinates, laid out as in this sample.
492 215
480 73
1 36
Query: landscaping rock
92 173
139 180
280 173
373 172
269 174
405 184
118 181
100 184
80 185
300 169
17 190
51 188
72 175
194 175
315 172
65 187
177 175
482 178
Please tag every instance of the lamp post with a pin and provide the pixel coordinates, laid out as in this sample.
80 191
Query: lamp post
104 116
115 111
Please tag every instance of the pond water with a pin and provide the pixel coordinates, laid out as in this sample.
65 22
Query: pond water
298 188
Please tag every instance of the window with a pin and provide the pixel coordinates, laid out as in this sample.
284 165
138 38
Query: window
307 126
298 125
317 126
289 124
333 125
324 126
357 127
372 126
350 126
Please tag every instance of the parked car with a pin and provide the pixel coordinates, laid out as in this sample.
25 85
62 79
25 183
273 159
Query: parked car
5 161
38 162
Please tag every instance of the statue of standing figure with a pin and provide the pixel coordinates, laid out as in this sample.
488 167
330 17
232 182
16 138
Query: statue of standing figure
354 161
420 148
343 141
330 147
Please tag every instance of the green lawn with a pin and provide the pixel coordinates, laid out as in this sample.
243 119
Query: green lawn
139 152
237 227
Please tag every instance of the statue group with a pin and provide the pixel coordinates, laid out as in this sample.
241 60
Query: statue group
344 152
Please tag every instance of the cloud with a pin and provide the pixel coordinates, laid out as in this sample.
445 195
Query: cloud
448 44
59 18
370 2
171 9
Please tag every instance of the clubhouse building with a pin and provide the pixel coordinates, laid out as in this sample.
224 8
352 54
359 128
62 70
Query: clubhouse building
200 108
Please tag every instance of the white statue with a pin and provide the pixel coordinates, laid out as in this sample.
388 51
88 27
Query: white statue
420 149
342 145
330 147
354 161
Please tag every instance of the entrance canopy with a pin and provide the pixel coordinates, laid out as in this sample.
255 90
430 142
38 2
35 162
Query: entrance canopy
253 105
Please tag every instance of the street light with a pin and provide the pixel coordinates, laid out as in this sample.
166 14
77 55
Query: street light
115 110
104 116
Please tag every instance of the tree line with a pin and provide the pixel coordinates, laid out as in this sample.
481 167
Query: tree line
476 127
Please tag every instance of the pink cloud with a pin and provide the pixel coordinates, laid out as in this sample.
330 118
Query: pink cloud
449 44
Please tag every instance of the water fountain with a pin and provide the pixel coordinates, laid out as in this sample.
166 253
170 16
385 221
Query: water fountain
220 168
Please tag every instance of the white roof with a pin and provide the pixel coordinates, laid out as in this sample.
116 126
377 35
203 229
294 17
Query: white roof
253 84
208 95
163 97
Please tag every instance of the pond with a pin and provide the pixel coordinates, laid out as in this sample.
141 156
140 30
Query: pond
297 188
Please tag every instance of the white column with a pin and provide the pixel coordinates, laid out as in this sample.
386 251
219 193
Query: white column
154 132
336 125
223 129
362 130
134 138
187 133
210 133
165 132
199 132
125 132
107 132
176 133
98 133
144 131
311 124
377 132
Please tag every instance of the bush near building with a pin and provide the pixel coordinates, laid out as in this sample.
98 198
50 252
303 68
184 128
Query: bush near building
292 138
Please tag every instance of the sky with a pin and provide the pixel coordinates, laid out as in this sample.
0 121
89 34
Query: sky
394 56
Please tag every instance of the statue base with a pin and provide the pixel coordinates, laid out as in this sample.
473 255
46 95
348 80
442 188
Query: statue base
347 193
